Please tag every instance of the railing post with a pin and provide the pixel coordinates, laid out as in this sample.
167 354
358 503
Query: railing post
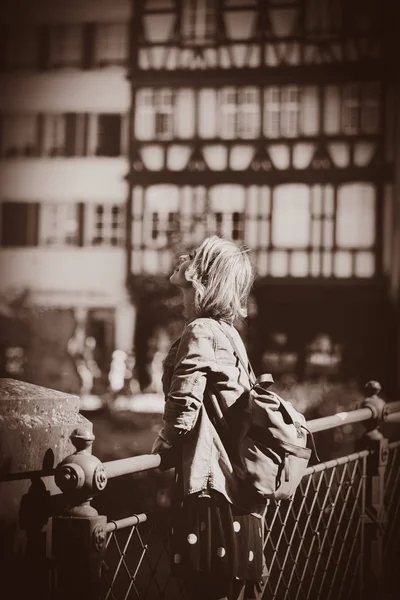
375 512
77 538
35 427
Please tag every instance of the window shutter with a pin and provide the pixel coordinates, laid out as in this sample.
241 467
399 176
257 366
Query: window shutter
81 224
20 224
109 138
33 224
70 134
40 134
88 45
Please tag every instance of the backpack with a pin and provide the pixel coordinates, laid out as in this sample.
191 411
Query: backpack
264 435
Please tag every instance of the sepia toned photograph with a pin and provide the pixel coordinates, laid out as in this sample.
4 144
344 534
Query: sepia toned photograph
199 300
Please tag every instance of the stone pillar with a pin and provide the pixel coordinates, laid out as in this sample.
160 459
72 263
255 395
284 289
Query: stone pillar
35 428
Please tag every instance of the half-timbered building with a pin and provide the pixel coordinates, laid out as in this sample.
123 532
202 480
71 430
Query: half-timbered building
272 122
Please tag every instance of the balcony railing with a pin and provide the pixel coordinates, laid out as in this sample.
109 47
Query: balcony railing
336 539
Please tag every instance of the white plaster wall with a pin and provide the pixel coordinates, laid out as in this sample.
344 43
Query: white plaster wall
65 277
93 91
64 179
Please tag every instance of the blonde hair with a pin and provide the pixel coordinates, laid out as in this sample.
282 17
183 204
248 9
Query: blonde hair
222 275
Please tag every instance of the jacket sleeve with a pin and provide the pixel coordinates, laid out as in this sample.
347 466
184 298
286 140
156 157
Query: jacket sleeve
194 359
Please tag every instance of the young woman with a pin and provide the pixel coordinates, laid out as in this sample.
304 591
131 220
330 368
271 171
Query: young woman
217 534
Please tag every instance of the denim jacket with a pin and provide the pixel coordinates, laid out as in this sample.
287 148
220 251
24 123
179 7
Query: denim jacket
202 356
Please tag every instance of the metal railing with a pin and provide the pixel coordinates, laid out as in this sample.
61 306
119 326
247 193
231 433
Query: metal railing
336 539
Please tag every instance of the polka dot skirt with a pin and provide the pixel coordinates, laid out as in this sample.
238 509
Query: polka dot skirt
212 536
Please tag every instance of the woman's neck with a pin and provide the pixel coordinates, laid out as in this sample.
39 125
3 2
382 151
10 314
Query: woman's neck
188 303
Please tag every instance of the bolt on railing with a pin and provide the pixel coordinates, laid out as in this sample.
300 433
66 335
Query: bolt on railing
78 537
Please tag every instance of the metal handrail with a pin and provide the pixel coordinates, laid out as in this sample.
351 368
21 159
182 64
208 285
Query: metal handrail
339 419
127 522
133 464
341 499
145 462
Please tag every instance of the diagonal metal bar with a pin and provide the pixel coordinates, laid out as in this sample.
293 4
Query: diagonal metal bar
325 537
313 544
343 543
319 554
122 559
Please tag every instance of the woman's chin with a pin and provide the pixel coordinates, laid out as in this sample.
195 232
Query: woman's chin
174 278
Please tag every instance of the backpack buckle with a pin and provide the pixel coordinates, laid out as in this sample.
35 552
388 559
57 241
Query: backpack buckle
264 381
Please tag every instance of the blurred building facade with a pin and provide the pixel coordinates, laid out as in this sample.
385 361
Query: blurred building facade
272 122
64 113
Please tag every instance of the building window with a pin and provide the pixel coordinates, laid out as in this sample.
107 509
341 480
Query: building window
22 48
54 135
282 112
111 44
164 114
290 111
370 114
76 134
219 219
66 45
313 237
59 225
154 114
155 226
19 135
19 224
239 113
350 109
227 223
249 113
144 114
323 17
109 135
164 226
198 22
360 108
272 112
107 224
228 110
237 226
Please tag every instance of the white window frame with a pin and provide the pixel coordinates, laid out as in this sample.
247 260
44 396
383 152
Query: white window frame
162 231
351 109
272 112
198 22
164 108
111 44
228 108
19 137
144 118
370 108
54 138
249 113
238 232
66 45
105 226
290 111
53 224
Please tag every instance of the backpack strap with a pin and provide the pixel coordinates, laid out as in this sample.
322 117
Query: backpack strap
264 380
